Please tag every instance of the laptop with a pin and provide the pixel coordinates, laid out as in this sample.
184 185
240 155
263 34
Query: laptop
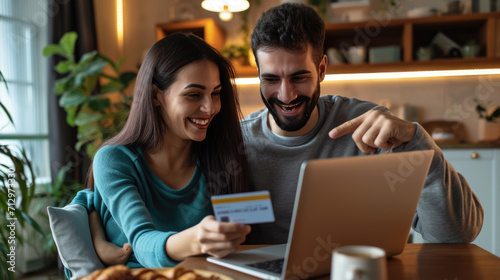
362 200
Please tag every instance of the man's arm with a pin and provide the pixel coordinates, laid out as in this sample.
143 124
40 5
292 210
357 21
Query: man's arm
448 210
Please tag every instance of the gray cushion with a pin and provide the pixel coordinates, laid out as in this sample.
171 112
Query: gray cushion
71 232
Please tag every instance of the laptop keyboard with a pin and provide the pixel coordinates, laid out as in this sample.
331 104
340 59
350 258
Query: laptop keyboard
275 266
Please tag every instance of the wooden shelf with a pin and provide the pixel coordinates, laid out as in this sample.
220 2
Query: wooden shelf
409 34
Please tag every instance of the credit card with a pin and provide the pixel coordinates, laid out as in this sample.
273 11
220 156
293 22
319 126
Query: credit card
246 208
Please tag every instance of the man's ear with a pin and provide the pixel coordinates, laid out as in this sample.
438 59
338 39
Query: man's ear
322 68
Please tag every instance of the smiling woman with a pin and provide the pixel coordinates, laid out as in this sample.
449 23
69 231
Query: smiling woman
181 144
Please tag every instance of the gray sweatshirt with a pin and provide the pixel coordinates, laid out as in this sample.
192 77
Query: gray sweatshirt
448 210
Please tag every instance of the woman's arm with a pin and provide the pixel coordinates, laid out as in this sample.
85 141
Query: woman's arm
207 237
109 253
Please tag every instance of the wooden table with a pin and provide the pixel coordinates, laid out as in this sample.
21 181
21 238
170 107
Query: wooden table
418 261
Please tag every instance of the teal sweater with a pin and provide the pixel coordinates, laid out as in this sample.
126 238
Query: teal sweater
137 207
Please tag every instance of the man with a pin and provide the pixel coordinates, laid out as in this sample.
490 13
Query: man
297 123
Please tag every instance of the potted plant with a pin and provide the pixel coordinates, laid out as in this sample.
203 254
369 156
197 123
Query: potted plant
17 189
238 54
98 111
489 122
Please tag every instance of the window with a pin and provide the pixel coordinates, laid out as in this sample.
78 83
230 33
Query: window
24 26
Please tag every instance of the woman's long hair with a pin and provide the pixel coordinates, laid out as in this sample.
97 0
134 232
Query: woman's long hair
221 154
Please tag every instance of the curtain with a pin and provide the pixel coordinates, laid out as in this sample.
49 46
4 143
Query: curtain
69 15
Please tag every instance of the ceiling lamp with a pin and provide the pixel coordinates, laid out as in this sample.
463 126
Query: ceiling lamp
225 8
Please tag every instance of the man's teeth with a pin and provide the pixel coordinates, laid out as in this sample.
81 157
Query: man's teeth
199 121
290 107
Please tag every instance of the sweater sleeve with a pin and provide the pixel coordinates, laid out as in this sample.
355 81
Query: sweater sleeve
114 172
448 210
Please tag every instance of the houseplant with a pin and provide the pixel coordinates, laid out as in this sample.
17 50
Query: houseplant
17 181
98 111
489 122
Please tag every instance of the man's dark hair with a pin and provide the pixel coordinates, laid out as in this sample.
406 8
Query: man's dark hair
290 26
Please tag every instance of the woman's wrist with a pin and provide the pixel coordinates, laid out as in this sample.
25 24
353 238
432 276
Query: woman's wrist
183 244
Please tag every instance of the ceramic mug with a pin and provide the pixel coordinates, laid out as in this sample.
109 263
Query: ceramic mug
334 56
355 54
358 262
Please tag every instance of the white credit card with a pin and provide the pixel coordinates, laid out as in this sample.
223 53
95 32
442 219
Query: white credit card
245 208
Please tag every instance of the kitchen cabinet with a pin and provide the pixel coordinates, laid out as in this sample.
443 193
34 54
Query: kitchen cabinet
481 168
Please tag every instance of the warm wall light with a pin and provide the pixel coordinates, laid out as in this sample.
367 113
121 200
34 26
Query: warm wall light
391 75
225 8
119 24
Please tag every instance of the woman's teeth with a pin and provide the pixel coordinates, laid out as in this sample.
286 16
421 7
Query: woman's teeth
199 121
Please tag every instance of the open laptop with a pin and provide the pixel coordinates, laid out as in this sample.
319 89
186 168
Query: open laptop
362 200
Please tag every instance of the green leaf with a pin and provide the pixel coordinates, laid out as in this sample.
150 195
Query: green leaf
7 113
63 84
64 67
92 68
112 86
67 43
32 222
84 116
126 78
86 57
119 63
2 78
70 115
99 104
53 50
72 98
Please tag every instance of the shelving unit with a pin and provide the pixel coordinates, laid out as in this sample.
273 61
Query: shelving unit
204 28
409 34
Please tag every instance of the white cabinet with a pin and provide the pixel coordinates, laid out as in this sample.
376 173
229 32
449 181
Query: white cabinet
481 168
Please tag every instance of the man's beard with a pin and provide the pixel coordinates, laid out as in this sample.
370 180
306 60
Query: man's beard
293 123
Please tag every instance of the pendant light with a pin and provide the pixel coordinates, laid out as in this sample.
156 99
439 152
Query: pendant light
225 8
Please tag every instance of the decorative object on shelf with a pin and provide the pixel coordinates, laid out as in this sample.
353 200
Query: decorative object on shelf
489 122
351 10
421 12
355 54
471 49
225 8
445 131
321 7
384 54
424 53
454 7
335 57
446 46
238 54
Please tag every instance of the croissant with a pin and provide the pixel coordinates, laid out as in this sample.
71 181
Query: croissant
122 272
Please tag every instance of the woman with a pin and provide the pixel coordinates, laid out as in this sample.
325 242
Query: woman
181 144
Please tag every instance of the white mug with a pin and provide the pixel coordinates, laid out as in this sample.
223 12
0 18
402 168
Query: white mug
358 262
334 56
355 54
